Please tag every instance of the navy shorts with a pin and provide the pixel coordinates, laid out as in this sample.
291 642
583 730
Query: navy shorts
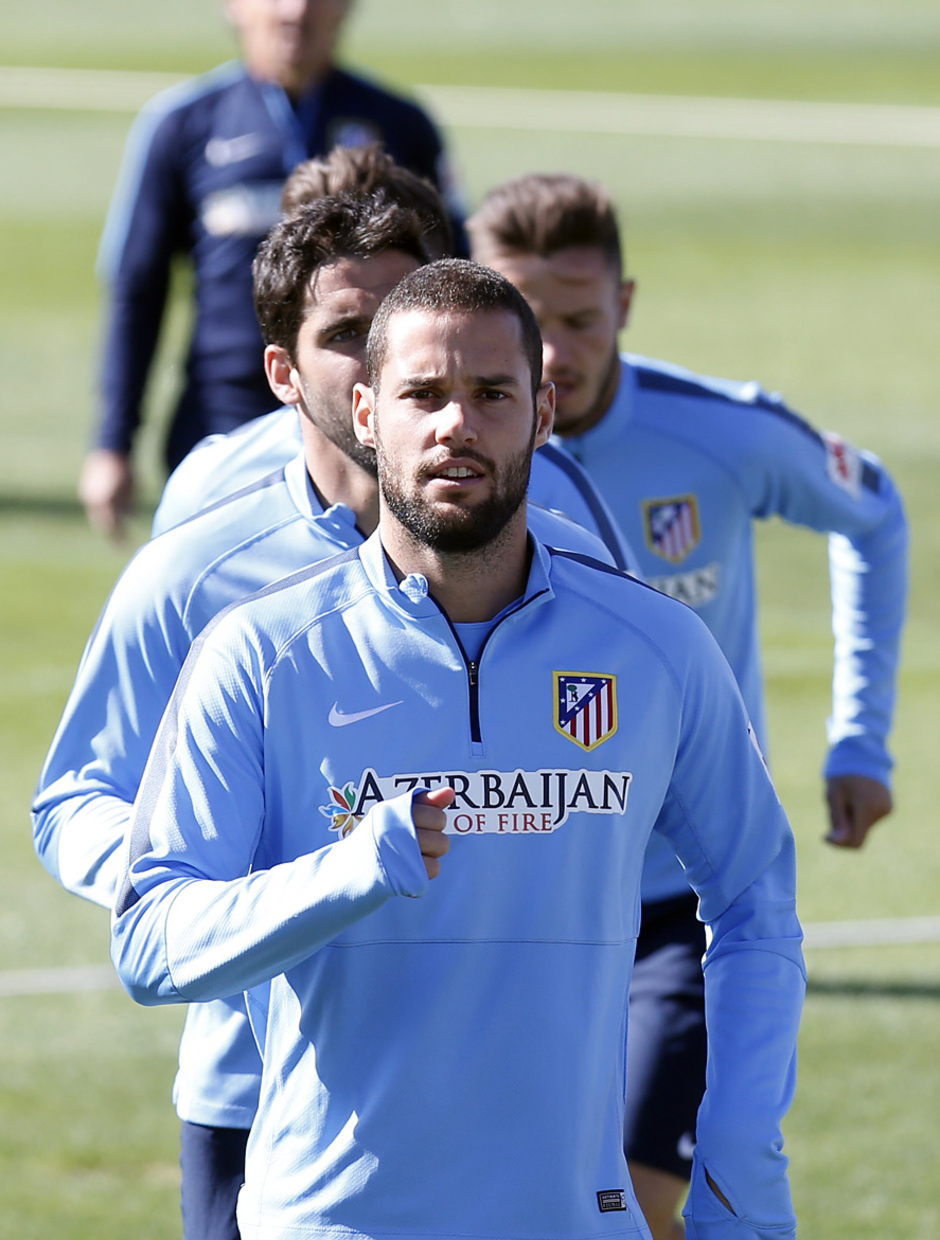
212 1161
666 1038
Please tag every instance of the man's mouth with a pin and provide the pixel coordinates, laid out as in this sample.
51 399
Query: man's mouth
564 382
463 469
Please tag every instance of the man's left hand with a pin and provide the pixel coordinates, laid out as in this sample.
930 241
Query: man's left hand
856 803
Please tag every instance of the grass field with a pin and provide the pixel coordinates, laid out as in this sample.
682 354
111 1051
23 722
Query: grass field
815 268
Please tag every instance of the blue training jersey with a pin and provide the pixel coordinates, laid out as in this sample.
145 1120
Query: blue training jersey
202 177
451 1064
223 463
686 463
172 588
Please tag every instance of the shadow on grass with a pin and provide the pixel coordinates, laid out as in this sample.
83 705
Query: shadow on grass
40 505
58 506
872 988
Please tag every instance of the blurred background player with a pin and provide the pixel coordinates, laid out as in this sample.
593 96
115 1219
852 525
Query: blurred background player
202 177
687 462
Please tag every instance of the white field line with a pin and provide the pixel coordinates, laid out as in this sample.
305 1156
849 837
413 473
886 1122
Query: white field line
64 981
87 90
881 932
678 116
600 112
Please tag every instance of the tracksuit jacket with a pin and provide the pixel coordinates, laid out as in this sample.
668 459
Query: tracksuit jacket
202 177
446 1058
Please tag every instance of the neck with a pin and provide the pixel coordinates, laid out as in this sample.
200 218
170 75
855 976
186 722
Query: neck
597 411
470 586
337 479
294 83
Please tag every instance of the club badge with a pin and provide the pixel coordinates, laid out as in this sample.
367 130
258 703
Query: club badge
671 526
585 707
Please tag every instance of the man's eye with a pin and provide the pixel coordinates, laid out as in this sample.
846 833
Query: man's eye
493 394
344 334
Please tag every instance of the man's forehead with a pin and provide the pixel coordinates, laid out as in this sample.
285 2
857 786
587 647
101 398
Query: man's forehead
347 279
431 339
577 268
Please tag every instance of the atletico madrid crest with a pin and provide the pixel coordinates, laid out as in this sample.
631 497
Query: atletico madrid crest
585 707
671 526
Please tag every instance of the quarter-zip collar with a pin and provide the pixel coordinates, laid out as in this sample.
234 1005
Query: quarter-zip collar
339 520
412 596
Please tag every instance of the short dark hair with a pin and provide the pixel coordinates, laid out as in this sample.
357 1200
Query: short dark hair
542 213
363 170
454 286
354 226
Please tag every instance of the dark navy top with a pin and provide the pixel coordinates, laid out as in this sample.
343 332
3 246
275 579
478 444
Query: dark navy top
202 177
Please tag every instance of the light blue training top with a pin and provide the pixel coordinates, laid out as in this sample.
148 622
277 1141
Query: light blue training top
446 1059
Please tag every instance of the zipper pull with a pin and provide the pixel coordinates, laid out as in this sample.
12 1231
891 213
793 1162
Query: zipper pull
472 674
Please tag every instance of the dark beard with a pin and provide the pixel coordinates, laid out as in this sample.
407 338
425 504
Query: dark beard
458 530
598 407
360 454
342 436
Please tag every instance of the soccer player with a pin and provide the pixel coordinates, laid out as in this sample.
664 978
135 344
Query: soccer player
457 714
687 463
319 279
202 178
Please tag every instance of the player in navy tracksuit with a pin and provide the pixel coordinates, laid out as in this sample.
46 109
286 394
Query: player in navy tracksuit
451 1063
687 463
202 177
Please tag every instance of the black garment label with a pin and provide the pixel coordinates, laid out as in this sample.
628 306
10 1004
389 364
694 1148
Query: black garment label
611 1199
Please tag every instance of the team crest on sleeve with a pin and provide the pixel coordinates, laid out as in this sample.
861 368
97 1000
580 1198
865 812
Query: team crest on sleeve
585 707
671 526
843 464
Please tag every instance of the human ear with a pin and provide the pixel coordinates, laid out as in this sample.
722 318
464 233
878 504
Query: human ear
544 413
625 302
363 413
283 377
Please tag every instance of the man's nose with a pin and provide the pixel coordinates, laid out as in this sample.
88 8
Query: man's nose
555 352
455 422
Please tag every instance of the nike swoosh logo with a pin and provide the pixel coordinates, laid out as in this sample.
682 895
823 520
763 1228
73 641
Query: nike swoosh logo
222 151
338 720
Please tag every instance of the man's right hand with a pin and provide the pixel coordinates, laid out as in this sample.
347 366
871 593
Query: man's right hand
106 489
427 812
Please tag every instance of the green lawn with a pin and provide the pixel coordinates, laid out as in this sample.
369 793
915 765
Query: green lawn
812 268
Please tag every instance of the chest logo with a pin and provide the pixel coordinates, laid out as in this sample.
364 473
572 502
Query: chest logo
585 707
352 131
671 526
